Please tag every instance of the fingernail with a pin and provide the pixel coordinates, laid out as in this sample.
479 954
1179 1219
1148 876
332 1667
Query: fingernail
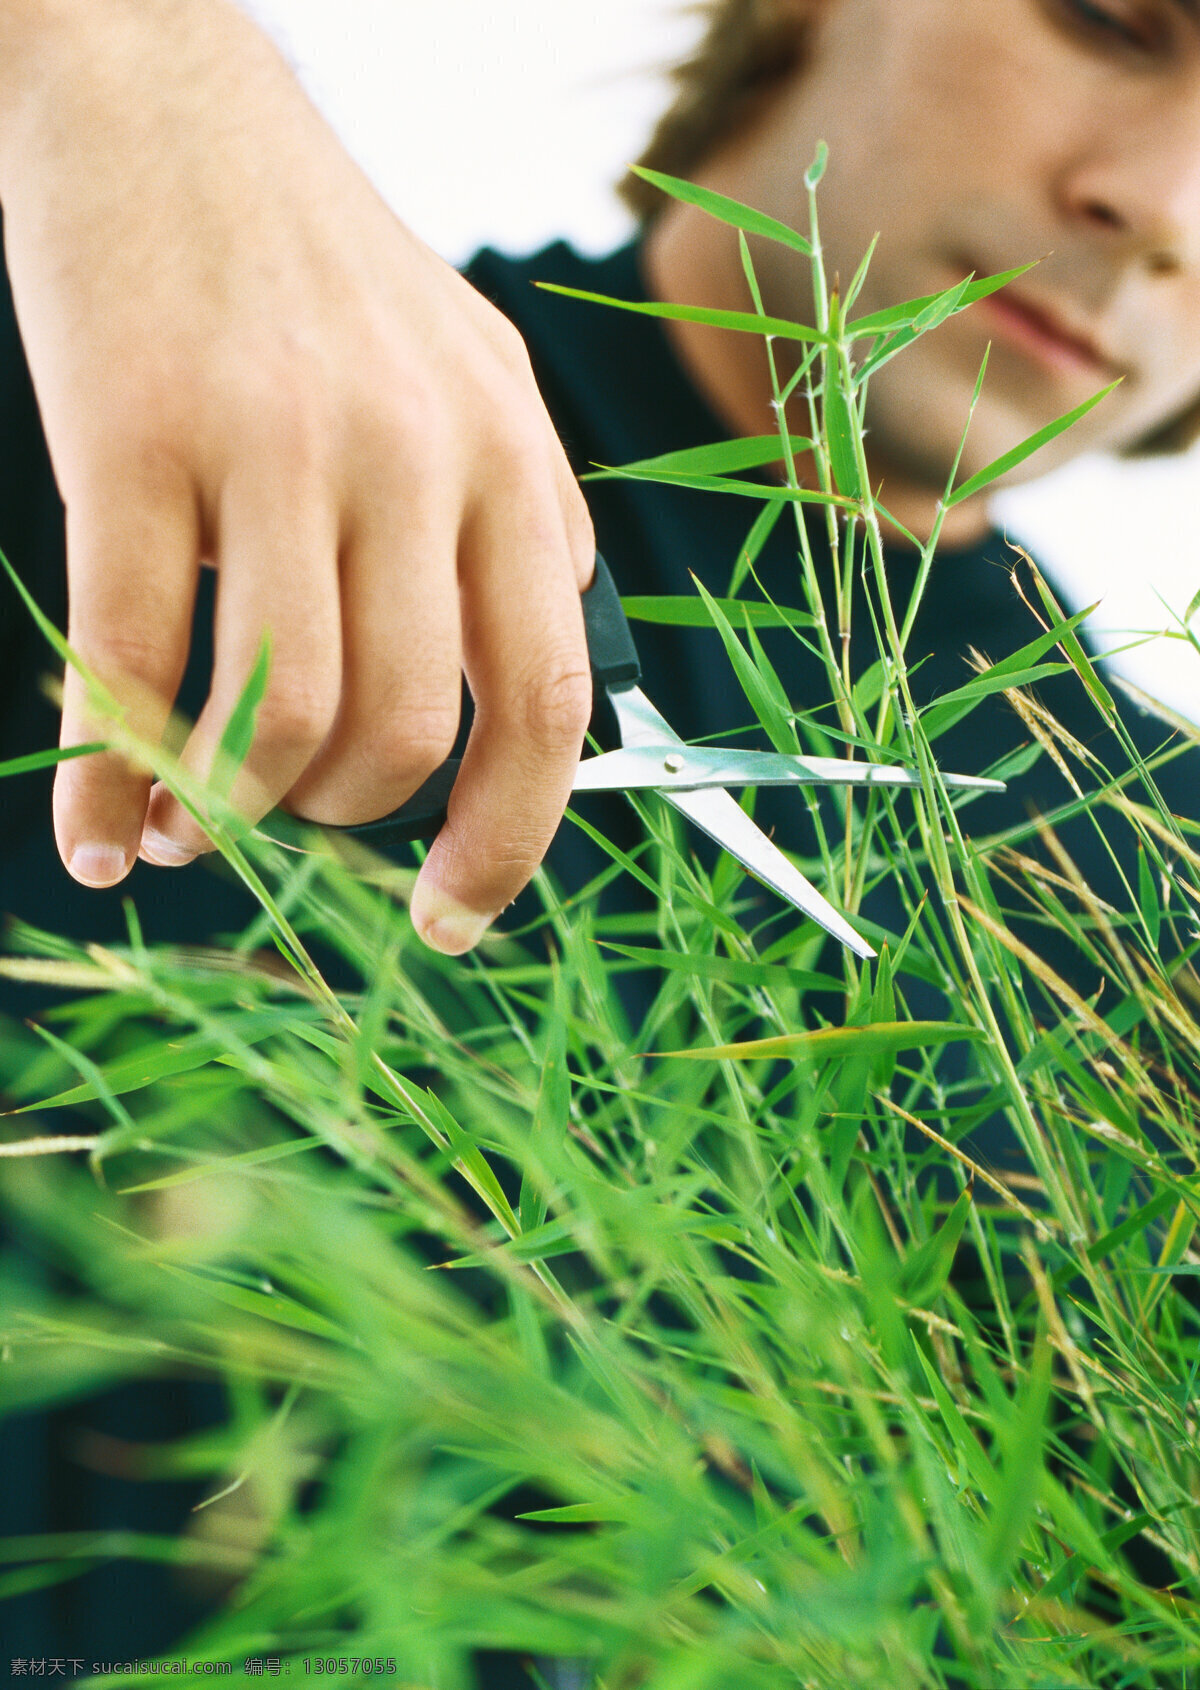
443 923
99 865
164 852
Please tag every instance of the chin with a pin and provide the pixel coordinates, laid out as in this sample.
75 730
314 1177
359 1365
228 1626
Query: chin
915 421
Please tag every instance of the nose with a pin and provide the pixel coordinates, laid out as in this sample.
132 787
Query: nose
1140 187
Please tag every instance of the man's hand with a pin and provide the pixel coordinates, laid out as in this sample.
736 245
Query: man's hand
242 358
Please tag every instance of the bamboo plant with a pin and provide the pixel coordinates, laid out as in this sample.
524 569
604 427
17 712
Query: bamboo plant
699 1351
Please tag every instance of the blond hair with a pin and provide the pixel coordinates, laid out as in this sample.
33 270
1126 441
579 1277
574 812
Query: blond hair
748 48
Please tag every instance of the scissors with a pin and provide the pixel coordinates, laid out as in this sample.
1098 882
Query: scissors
650 756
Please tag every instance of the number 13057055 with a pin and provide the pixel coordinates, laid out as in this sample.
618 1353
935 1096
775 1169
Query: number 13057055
366 1665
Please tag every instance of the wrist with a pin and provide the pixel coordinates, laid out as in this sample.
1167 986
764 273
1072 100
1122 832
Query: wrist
71 67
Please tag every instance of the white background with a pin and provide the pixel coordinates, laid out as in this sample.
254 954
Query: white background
481 122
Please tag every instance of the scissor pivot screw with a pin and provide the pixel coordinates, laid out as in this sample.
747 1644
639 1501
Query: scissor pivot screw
673 763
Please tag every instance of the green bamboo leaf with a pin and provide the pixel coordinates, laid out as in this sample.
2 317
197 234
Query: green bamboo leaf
770 678
1073 647
725 210
473 1163
97 1084
907 315
1029 654
840 435
860 275
946 711
541 1243
678 611
761 687
1016 764
939 307
274 1306
619 1511
936 309
734 970
1129 1228
1148 897
744 322
1192 608
927 1269
238 734
1019 668
551 1115
836 1043
883 1008
46 759
767 491
868 689
721 457
1009 460
1070 1520
883 353
744 1550
748 271
1013 1501
220 1167
761 530
163 1059
967 1446
1063 1582
858 1010
621 859
49 632
945 305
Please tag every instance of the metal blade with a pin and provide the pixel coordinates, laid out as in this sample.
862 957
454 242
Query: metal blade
673 766
639 723
723 819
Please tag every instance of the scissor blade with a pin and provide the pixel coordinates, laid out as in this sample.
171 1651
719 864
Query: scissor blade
675 767
723 819
840 771
639 723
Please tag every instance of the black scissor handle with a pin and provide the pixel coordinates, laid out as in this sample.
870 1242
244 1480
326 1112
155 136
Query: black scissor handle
615 668
611 650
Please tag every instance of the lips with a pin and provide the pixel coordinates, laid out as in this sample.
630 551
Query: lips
1046 332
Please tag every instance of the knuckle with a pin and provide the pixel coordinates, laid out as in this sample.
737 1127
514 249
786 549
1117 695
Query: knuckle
414 744
555 705
149 455
122 653
518 446
512 413
510 346
295 711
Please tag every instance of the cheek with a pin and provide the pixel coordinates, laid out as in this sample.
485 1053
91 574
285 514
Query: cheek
956 102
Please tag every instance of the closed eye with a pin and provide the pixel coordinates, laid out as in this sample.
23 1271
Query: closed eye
1117 22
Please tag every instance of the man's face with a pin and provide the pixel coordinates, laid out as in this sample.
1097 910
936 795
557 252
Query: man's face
975 135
